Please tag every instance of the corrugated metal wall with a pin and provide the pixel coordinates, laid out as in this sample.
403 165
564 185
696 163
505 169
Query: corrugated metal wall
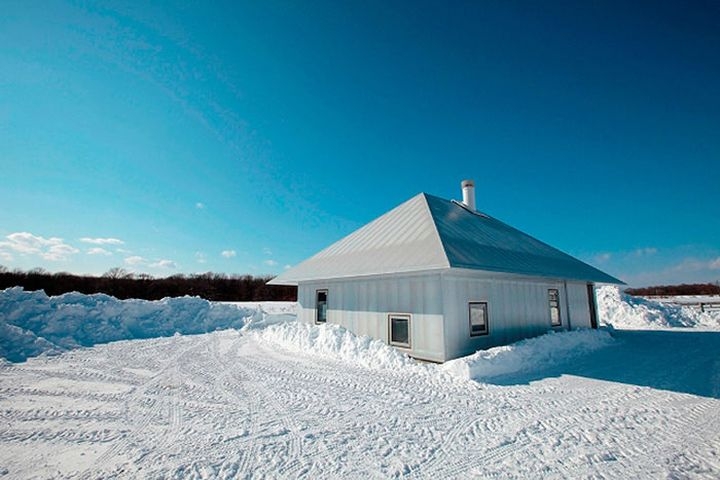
363 305
579 305
517 308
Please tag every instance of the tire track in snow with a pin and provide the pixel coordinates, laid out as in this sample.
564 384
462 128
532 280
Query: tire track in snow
43 392
680 431
67 435
461 450
350 381
286 425
457 456
356 422
35 415
697 431
87 375
519 425
308 413
149 396
214 395
231 384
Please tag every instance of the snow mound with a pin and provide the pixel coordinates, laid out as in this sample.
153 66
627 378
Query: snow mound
31 323
336 342
628 312
264 317
530 354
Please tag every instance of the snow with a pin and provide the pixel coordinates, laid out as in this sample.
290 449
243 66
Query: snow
334 342
33 323
628 312
688 299
531 354
262 396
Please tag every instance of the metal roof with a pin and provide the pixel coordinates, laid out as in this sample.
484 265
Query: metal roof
428 232
402 240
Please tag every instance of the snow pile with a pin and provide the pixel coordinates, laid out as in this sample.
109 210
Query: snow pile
268 313
628 312
336 342
31 323
526 355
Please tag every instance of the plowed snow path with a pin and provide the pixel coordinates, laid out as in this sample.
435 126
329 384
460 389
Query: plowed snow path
223 405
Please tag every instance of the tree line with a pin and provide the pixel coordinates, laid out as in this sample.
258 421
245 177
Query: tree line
672 290
122 284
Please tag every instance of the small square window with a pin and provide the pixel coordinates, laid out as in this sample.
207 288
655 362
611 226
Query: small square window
478 319
400 330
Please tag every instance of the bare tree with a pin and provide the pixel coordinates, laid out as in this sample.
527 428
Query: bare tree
117 272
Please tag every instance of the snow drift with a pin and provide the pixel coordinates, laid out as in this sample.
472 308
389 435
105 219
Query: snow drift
336 342
627 312
525 355
31 323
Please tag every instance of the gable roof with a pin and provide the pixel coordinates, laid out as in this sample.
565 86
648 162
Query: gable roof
427 233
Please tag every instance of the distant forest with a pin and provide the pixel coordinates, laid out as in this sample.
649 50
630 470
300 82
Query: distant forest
122 284
670 290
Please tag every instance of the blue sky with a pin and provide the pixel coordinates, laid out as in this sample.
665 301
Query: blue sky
242 137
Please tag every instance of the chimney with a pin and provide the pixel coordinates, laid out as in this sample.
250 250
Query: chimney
468 191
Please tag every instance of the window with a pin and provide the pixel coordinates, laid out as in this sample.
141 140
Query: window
399 330
321 306
554 300
478 319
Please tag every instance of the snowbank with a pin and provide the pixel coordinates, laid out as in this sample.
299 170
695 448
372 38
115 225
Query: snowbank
335 342
525 355
31 323
268 313
628 312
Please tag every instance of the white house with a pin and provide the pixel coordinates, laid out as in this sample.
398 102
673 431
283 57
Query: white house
440 280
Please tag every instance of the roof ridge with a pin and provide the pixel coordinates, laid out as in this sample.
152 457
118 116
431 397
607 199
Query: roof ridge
428 232
435 227
489 247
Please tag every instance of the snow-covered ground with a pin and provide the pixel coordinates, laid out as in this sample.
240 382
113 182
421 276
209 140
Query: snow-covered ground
628 312
262 396
687 299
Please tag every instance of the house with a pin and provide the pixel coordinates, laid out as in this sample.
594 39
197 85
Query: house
439 280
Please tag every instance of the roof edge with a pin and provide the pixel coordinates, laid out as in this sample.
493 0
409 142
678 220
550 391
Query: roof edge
438 237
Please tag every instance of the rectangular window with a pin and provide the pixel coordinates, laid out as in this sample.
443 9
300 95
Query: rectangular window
321 306
478 319
554 300
399 330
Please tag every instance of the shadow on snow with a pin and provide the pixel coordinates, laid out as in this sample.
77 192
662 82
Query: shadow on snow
679 361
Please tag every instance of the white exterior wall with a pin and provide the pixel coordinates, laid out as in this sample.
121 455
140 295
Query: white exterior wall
517 309
579 305
362 305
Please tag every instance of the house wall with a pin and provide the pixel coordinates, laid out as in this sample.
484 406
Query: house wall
579 305
517 309
362 305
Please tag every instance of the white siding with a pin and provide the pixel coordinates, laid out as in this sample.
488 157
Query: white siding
517 309
579 305
362 305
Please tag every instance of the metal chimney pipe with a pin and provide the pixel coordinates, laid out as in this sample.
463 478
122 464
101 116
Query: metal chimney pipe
468 192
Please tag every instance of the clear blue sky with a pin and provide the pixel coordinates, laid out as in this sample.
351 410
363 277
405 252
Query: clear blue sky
242 137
